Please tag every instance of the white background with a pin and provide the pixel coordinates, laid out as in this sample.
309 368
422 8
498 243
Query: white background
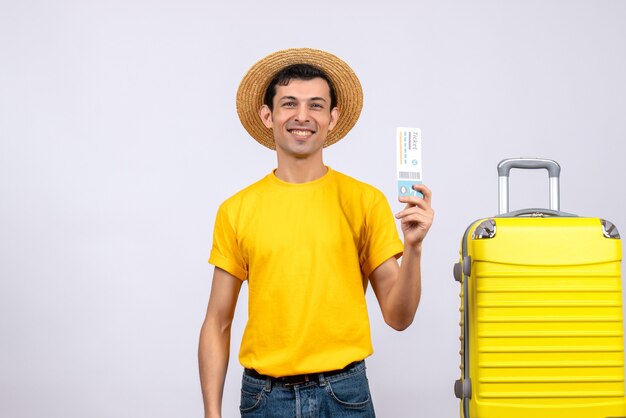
119 139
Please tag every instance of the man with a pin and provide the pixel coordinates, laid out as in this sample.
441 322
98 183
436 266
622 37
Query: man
307 239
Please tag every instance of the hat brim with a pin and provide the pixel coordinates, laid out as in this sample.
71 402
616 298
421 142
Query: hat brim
254 84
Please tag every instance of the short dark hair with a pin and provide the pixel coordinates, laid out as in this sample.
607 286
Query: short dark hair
297 72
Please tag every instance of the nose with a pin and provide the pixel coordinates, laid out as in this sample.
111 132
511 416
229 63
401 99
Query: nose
302 114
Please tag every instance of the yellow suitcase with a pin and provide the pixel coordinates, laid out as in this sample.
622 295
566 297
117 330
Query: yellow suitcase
541 312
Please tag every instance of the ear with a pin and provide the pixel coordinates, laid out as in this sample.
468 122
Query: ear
266 116
334 117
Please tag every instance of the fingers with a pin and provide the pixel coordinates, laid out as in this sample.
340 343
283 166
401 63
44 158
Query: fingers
414 199
417 217
417 205
424 190
421 218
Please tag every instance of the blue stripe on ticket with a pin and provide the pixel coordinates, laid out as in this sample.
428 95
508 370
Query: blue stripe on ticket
405 188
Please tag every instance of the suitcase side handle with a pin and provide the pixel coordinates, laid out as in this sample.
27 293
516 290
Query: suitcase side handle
504 169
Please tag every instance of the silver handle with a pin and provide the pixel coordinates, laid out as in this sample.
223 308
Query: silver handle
504 168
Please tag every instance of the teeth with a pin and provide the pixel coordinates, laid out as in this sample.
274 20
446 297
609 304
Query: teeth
301 133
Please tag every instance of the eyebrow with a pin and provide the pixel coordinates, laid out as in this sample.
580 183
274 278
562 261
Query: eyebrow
295 98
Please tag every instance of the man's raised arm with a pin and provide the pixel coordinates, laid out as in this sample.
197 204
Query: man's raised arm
398 289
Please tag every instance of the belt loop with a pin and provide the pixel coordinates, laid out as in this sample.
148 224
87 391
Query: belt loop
268 384
322 379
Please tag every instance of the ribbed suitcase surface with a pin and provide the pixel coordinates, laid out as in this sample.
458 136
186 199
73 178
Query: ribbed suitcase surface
545 320
541 319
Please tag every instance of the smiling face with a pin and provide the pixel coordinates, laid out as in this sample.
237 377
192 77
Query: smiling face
301 117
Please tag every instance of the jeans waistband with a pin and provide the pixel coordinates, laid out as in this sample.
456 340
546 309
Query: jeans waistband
300 379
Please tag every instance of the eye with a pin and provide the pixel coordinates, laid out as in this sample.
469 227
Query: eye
289 104
317 106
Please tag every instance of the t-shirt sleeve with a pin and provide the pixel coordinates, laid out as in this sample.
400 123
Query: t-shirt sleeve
382 241
226 253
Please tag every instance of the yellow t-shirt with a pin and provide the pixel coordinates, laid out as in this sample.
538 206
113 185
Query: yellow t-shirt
306 251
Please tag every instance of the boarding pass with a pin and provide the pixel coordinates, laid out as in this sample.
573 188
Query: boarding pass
409 160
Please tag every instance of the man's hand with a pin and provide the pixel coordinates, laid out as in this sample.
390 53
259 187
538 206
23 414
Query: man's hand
417 217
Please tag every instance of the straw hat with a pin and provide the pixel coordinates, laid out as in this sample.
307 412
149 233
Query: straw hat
254 84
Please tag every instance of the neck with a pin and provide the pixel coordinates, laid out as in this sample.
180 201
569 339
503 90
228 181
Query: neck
300 171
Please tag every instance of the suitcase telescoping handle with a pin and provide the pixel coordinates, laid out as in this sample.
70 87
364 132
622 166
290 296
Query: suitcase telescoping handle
504 168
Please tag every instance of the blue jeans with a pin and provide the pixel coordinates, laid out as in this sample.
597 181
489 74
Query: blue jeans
344 395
